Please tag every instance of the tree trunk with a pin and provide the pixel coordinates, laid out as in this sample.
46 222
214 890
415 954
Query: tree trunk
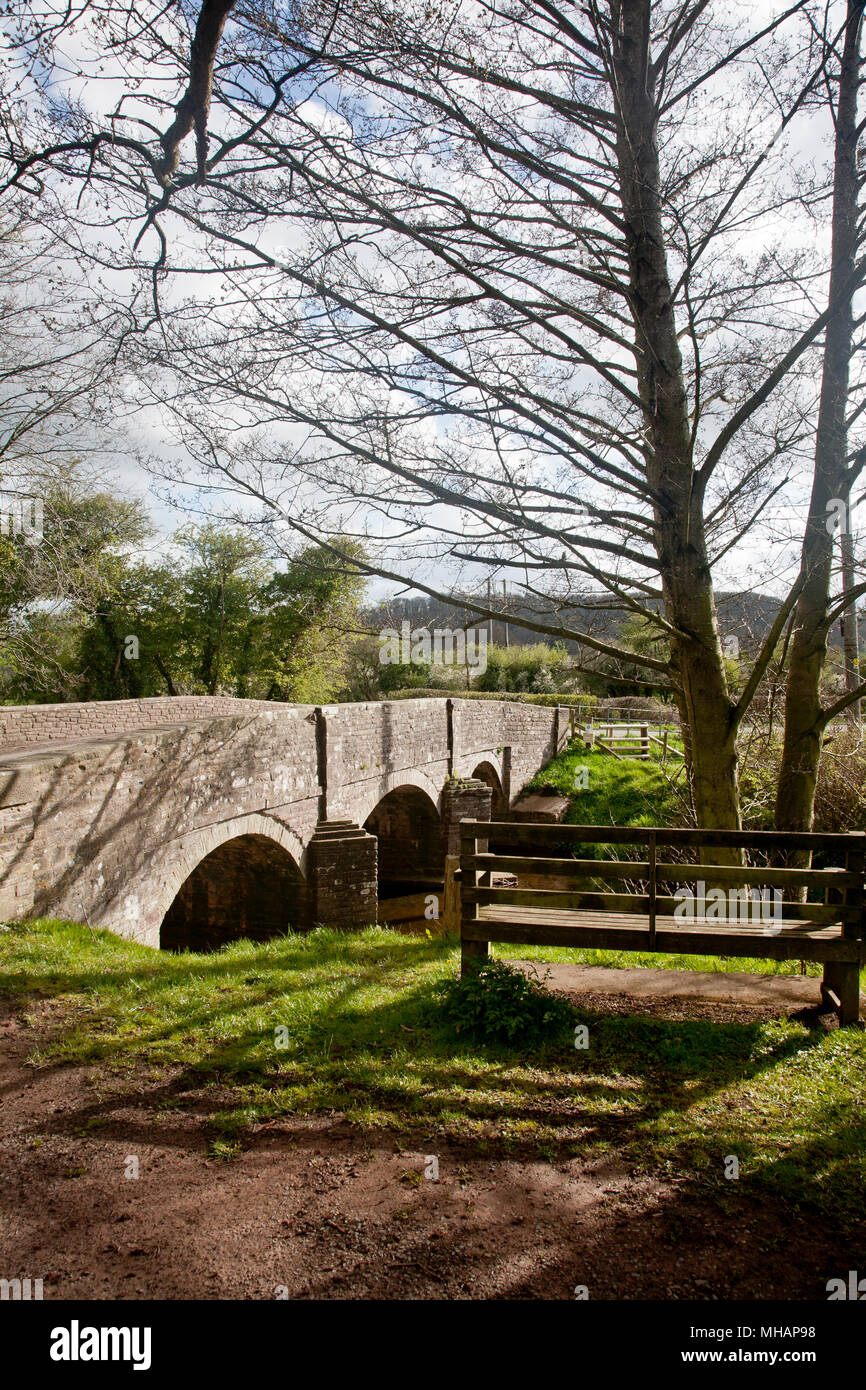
850 633
165 673
698 667
804 715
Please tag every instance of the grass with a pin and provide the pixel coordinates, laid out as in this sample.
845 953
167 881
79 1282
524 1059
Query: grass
629 960
627 792
365 1037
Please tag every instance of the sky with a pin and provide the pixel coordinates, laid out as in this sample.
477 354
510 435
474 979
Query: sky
141 430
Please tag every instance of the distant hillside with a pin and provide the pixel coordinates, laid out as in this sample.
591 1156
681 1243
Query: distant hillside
747 616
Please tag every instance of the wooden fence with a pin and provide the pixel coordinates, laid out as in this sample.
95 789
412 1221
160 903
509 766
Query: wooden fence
621 739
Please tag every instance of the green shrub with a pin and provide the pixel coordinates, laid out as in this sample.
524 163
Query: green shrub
405 675
524 697
536 668
498 1003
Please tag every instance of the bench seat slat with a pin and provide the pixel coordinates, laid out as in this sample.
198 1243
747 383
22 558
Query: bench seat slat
622 931
639 921
580 897
629 904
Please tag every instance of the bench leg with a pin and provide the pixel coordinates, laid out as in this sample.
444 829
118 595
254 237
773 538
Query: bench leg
473 954
843 978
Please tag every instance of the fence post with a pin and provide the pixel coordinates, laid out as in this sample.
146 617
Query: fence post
842 978
451 896
472 953
651 848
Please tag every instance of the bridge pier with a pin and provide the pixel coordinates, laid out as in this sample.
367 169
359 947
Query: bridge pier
342 887
463 798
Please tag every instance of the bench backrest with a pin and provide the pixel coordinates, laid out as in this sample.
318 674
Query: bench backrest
656 884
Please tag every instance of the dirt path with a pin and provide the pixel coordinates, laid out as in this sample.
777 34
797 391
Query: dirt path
316 1208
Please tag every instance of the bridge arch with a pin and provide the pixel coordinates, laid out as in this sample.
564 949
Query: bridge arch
408 826
242 877
375 791
467 763
487 772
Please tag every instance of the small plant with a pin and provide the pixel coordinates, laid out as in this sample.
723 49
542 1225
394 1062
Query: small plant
223 1150
498 1003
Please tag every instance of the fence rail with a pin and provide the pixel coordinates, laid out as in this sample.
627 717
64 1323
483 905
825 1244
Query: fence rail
621 739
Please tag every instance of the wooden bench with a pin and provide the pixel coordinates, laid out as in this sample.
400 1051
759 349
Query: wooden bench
821 916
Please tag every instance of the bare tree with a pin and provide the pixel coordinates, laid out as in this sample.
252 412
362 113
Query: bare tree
520 284
58 350
59 345
837 467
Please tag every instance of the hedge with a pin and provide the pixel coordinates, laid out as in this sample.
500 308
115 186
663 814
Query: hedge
517 696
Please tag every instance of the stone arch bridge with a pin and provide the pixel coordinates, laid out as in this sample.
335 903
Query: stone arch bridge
187 821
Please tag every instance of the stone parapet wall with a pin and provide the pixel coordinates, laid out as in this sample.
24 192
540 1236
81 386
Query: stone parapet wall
376 746
28 725
528 731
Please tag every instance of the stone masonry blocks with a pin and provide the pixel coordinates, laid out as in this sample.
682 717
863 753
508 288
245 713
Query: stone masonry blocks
102 805
464 798
342 877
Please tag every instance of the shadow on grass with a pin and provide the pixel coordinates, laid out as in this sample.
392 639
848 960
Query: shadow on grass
365 1039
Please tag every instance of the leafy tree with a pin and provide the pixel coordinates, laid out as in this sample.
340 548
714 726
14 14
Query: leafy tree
312 615
404 675
51 590
537 668
83 616
362 671
224 578
131 645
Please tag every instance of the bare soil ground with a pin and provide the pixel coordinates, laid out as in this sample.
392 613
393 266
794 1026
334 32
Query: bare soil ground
315 1208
